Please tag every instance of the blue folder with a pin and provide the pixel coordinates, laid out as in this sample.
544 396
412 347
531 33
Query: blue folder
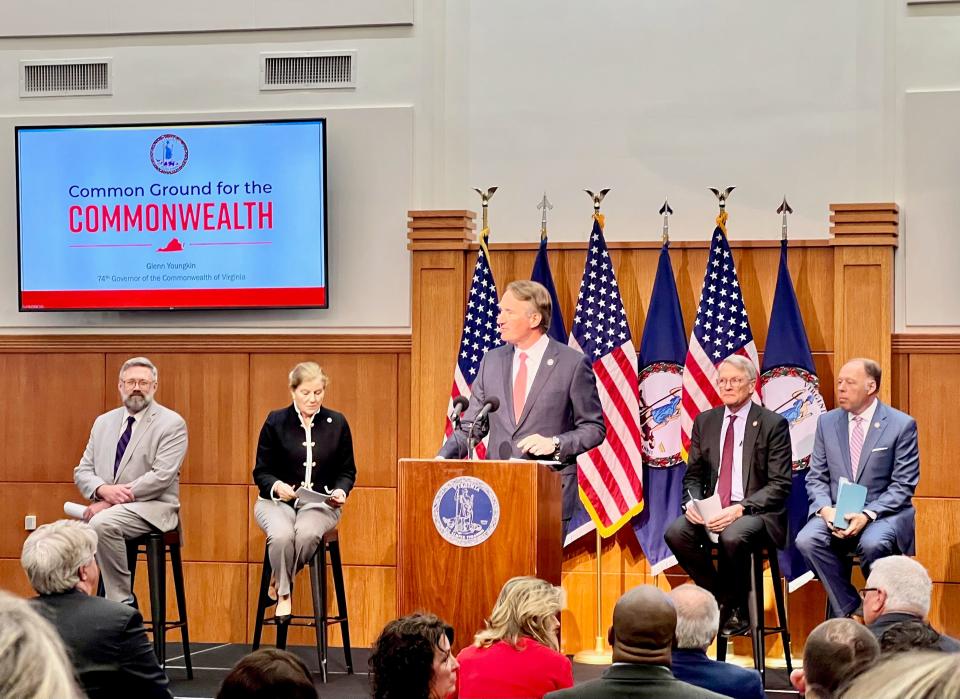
851 497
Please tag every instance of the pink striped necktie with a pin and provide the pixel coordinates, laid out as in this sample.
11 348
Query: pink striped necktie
520 387
856 444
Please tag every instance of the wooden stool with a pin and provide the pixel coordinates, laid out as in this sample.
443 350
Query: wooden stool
758 629
320 620
155 545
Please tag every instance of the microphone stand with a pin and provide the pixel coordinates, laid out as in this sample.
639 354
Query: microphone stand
472 442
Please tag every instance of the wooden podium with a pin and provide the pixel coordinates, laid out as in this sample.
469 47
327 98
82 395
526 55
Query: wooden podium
461 583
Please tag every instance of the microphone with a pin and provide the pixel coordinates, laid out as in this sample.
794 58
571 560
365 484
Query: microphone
459 405
491 406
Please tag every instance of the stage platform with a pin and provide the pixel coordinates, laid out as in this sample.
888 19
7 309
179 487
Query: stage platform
211 663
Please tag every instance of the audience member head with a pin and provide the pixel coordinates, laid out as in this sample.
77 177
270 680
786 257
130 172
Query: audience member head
896 584
857 384
411 659
268 673
527 606
909 635
836 652
644 625
916 675
59 556
698 616
33 663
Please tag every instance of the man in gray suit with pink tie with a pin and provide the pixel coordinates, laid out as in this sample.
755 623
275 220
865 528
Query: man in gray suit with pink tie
870 443
549 406
130 469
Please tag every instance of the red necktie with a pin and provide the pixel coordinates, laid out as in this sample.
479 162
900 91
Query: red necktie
725 480
520 387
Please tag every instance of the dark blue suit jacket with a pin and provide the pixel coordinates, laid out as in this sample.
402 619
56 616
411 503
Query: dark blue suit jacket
692 665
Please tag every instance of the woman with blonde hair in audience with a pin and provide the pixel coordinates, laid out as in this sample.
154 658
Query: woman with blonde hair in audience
517 654
912 675
33 663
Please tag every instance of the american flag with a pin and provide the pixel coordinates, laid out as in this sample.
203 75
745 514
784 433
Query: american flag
610 475
479 332
720 330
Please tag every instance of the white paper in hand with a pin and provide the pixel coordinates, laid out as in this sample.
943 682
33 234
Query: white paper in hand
73 509
311 497
709 508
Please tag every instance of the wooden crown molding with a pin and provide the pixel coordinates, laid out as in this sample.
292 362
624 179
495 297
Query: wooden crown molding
294 344
925 343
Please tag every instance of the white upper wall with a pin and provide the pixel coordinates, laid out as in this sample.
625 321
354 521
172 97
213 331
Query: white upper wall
653 99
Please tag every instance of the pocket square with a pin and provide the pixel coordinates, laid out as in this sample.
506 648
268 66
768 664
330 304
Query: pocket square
874 451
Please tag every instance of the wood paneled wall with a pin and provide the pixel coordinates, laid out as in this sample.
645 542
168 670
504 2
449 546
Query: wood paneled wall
224 386
926 380
830 276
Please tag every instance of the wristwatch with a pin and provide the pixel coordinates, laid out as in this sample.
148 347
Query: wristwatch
556 448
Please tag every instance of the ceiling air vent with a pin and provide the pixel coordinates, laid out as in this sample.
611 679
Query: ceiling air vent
82 76
315 70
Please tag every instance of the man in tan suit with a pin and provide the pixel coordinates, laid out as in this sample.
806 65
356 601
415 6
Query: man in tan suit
131 471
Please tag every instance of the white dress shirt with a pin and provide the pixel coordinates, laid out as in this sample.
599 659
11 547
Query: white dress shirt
739 427
136 422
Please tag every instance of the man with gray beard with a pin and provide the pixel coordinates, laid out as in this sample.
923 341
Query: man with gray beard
130 471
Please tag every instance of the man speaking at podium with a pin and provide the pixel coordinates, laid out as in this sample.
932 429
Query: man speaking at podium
547 394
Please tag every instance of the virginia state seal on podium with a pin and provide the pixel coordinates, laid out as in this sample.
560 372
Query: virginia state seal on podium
465 511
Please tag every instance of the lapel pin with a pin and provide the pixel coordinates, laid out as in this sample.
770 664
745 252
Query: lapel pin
755 423
876 425
329 419
549 362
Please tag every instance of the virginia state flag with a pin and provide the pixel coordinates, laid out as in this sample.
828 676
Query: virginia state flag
541 273
662 352
789 386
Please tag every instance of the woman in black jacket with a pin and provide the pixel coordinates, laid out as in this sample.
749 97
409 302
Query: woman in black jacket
305 445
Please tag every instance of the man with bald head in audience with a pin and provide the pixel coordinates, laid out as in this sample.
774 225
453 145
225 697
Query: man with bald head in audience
835 653
642 634
863 441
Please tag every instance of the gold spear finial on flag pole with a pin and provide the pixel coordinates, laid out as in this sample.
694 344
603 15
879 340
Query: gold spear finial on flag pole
485 198
784 209
666 211
544 205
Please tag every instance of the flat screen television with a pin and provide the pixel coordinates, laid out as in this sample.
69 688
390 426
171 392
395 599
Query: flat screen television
172 216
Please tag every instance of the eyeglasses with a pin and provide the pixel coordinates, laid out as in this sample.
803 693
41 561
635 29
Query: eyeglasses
138 383
732 383
864 590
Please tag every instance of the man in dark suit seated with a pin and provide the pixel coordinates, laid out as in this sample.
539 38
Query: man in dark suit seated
644 625
740 451
100 635
698 620
867 442
899 590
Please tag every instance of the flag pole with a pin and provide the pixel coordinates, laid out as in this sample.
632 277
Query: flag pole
599 655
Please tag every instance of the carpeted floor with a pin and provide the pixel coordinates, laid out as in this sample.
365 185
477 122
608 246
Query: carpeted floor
211 663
